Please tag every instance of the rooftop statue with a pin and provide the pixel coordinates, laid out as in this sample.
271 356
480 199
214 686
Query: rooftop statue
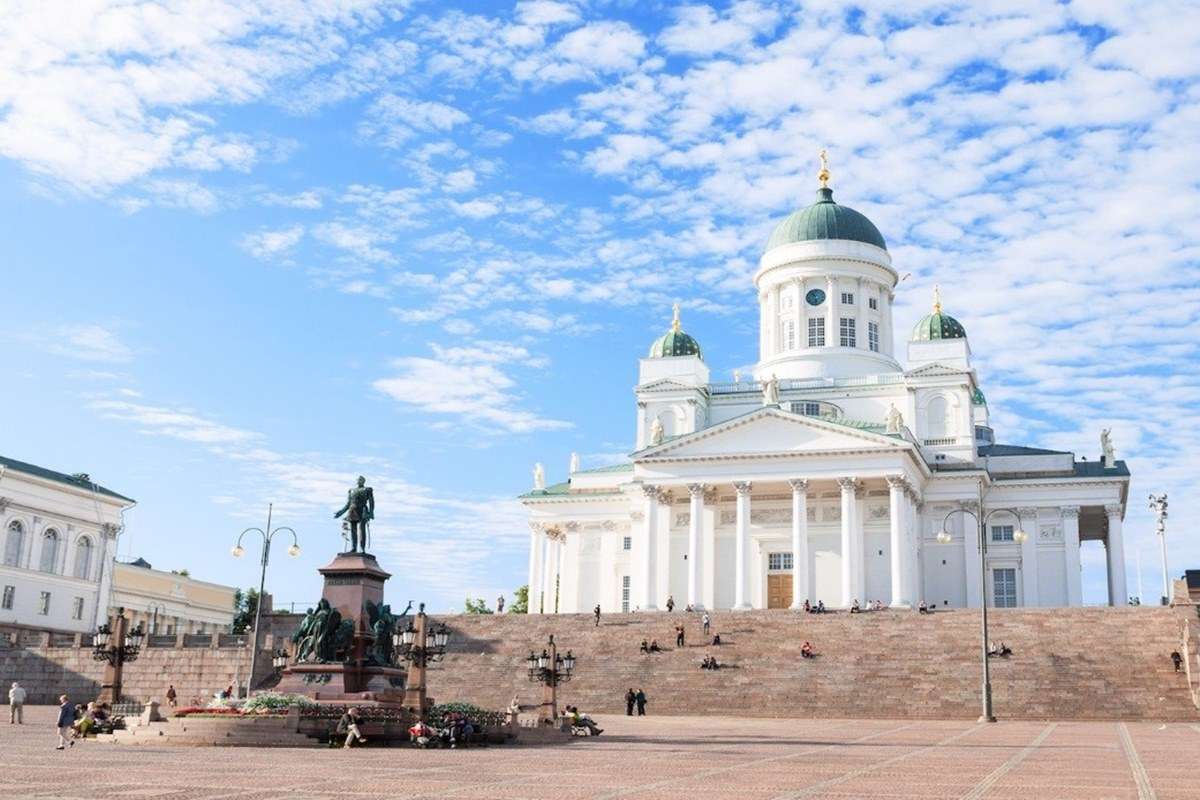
539 476
771 391
1109 457
895 420
657 434
360 502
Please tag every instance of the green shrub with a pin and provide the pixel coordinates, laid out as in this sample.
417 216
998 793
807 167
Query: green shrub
265 702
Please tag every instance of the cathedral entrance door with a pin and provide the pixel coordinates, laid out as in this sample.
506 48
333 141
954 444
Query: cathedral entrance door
779 591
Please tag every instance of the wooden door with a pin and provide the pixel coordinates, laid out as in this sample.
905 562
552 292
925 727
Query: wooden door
779 590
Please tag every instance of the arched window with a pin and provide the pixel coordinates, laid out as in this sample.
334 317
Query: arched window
49 550
14 542
935 419
83 557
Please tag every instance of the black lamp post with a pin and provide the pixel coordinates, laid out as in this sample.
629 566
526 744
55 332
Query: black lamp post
116 645
413 644
550 669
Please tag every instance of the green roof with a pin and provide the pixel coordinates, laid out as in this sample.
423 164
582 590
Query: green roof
79 480
675 342
825 219
936 326
610 468
978 398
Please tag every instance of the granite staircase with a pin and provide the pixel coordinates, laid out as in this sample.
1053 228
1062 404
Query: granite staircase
1082 663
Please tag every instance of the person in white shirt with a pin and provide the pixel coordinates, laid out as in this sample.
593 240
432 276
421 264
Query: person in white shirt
16 704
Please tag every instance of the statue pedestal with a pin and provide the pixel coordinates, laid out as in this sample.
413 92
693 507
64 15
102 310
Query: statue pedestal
352 579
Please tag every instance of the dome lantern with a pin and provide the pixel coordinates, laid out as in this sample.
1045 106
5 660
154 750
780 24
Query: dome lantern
938 325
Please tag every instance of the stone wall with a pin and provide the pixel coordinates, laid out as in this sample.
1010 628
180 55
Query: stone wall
51 664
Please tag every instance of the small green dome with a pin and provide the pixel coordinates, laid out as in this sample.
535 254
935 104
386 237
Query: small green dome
978 398
675 342
825 219
938 325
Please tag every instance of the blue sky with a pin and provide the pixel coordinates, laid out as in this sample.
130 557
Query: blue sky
253 249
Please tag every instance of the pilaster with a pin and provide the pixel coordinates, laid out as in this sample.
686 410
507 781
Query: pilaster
800 588
848 573
1070 518
898 519
1029 561
1118 594
695 548
740 598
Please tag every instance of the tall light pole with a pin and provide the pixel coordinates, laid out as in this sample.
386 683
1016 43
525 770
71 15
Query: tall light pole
1019 536
1159 506
238 551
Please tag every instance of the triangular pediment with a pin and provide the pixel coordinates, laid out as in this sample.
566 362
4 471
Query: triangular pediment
663 385
774 431
934 371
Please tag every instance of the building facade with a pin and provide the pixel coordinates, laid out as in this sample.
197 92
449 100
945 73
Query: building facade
59 534
167 602
835 474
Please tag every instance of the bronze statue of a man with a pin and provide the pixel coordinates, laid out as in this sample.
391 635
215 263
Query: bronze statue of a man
360 502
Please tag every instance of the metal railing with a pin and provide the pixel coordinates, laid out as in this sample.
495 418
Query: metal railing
939 442
787 384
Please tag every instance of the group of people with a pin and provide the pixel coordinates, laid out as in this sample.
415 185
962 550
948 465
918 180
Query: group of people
638 699
924 608
76 721
651 647
874 605
1000 650
819 608
709 662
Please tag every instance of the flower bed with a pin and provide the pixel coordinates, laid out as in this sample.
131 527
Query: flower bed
265 704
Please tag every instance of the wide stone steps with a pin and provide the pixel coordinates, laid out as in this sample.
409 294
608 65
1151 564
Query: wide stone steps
1092 663
214 731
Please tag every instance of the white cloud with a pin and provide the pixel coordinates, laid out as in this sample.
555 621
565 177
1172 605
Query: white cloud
270 244
476 209
486 400
309 200
86 342
392 120
698 30
358 240
174 423
602 46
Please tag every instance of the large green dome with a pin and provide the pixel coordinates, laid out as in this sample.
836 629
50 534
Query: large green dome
675 342
826 219
938 324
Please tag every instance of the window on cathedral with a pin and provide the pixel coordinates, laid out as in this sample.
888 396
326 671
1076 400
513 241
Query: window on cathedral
627 543
14 542
873 304
847 332
779 562
77 608
789 335
816 332
1002 533
873 336
44 604
847 298
10 593
626 586
1004 587
808 408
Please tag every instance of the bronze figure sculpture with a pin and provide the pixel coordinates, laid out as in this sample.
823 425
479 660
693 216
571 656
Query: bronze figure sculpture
360 502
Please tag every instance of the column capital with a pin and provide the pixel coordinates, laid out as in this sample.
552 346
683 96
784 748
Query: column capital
555 534
742 487
799 485
696 490
535 527
1070 512
1027 511
847 484
897 482
1114 510
650 490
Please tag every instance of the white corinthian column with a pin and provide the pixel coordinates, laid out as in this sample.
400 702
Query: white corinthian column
534 596
742 544
800 591
695 521
1116 557
848 577
650 550
898 517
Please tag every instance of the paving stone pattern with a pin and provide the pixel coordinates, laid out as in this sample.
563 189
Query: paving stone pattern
1082 663
650 758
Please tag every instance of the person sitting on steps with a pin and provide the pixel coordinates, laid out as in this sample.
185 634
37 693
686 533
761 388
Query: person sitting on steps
807 607
923 608
645 646
654 648
806 650
1177 660
716 639
855 608
820 606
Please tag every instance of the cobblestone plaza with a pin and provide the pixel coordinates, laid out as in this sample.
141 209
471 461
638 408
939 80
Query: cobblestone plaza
665 758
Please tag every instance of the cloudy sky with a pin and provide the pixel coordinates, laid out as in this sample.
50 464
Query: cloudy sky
253 249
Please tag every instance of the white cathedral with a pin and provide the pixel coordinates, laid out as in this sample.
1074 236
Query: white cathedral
836 475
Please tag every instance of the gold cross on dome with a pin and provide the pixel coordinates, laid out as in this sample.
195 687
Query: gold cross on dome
675 317
823 175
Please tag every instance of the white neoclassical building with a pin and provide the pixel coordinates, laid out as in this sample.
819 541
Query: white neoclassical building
59 538
837 473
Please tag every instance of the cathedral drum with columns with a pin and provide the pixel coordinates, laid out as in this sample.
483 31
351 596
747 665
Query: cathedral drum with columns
835 475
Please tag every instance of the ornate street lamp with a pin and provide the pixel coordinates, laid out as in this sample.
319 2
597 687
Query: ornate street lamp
238 551
1158 504
550 669
419 646
116 645
1019 536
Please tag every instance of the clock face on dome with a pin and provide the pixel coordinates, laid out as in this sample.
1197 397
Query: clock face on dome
815 297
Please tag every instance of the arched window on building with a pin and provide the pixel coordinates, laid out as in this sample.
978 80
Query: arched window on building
14 542
50 542
83 557
935 419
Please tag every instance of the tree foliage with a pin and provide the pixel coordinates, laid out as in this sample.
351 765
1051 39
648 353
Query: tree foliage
477 606
520 603
245 603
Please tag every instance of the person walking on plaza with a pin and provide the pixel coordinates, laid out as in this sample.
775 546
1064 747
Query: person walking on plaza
596 614
66 721
640 699
348 725
706 621
670 602
171 695
16 704
630 699
500 604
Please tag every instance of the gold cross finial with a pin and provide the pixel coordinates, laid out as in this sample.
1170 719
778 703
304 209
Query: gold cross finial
675 317
937 299
823 175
